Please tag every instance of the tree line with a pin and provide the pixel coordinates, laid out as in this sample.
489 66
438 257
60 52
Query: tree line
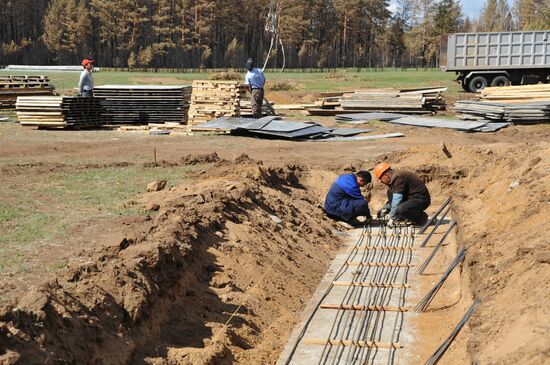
223 33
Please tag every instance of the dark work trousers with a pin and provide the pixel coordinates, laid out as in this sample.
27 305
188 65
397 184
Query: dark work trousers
256 102
87 93
359 209
412 209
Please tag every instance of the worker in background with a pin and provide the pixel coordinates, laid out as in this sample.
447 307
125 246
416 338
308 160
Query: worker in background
408 196
344 201
255 80
86 83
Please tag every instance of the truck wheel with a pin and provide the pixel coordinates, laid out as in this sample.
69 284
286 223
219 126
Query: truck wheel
464 85
500 81
477 84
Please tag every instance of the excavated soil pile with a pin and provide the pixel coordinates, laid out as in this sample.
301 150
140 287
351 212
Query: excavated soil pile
501 197
242 243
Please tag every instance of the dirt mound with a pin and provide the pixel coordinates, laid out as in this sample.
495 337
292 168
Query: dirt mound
244 245
501 197
201 159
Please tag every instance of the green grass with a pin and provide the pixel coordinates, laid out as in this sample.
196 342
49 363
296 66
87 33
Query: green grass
305 81
51 205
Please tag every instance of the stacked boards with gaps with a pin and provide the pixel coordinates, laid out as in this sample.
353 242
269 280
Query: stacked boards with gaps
404 101
212 99
144 104
13 86
58 111
525 104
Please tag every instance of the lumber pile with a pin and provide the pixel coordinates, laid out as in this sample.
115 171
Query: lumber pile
517 94
405 101
525 104
212 99
143 104
13 86
58 111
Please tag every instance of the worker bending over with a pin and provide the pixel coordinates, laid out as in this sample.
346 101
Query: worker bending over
408 196
344 201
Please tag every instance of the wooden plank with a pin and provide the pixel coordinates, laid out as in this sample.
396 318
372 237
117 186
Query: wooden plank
369 308
357 343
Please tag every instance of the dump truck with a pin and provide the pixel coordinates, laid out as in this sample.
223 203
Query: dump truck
497 59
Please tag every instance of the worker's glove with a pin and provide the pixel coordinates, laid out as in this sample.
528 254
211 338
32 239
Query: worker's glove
391 223
383 212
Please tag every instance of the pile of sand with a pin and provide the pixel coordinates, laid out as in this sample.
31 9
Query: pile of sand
242 243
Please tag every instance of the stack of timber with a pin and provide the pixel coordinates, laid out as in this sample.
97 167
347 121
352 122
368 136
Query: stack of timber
517 94
143 104
405 101
524 104
212 99
13 86
58 111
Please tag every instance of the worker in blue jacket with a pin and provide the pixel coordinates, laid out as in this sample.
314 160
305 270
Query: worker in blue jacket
344 201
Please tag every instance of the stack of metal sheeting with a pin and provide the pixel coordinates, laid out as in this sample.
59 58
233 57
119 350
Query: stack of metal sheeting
58 111
528 113
13 86
143 104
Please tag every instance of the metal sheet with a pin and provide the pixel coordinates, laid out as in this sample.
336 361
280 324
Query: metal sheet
439 123
284 126
361 138
302 133
231 123
491 127
369 116
349 131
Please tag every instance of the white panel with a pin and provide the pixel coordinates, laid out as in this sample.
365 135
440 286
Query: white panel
515 60
470 61
471 51
505 50
471 39
483 39
493 38
528 38
482 50
505 38
460 51
516 37
538 60
526 60
504 61
460 39
539 48
493 60
493 50
516 49
527 48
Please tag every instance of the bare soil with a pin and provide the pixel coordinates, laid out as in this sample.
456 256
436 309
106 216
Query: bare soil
222 271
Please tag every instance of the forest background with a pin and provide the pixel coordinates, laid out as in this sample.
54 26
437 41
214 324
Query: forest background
180 34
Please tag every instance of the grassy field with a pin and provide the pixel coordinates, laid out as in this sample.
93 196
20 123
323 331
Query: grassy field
306 82
50 204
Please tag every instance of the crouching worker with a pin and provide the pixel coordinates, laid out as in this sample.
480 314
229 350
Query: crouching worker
408 196
344 201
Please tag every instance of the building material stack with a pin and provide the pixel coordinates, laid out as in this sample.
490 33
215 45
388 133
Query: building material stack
58 111
524 104
13 86
406 101
212 99
143 104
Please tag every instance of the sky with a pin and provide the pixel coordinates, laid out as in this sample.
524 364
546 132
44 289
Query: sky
471 8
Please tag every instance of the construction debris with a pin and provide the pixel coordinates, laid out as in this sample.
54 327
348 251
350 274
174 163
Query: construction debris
408 101
58 111
439 123
143 104
361 118
13 86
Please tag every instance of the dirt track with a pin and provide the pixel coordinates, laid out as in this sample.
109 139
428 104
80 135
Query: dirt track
158 290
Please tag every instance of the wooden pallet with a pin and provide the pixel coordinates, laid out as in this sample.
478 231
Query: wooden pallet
211 99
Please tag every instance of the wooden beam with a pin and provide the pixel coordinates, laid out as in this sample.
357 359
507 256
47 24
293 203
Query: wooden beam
370 285
371 308
356 343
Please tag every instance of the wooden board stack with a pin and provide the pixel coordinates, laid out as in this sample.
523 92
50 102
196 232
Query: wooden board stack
13 86
523 104
143 104
516 94
58 111
406 101
212 99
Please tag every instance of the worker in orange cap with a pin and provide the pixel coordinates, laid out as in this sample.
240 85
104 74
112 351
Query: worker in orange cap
408 196
86 84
